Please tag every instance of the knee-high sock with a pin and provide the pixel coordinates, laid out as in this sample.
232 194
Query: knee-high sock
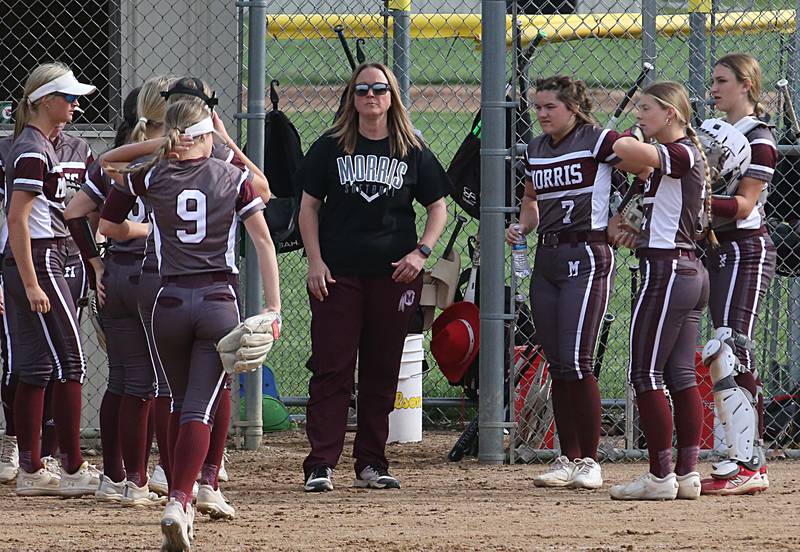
151 429
28 407
219 434
172 441
656 421
190 450
161 414
565 423
8 391
689 426
109 437
67 414
133 414
49 438
584 397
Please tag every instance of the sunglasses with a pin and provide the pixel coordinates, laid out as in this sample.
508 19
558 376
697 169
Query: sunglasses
378 88
69 98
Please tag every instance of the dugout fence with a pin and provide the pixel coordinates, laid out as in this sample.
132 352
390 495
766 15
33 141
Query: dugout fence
435 48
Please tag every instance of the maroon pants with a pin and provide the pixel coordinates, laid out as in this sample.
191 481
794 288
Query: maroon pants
44 345
368 317
570 289
130 370
740 272
189 317
149 284
663 340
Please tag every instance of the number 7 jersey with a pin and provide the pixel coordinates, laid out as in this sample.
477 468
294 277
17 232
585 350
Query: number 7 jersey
194 208
572 179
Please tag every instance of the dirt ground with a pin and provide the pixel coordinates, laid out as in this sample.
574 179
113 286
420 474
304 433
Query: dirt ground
442 506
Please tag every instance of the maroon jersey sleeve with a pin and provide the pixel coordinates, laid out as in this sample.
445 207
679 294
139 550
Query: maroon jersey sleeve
763 155
30 169
248 202
604 149
96 184
676 159
118 204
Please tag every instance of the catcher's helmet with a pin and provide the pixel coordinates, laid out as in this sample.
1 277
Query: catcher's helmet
728 153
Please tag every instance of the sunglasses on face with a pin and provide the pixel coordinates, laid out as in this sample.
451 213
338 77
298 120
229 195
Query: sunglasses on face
69 98
378 88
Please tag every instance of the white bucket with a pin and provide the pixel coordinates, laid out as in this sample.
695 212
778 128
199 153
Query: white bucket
405 421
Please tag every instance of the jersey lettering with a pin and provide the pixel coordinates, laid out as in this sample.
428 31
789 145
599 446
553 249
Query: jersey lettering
192 208
557 177
371 175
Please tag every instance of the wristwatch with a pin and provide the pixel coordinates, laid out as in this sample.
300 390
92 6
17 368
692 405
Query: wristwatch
424 249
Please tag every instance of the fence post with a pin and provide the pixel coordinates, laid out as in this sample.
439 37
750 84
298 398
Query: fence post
256 85
649 13
697 55
401 44
493 154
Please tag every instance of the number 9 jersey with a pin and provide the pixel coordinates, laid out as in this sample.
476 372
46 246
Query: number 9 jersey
194 207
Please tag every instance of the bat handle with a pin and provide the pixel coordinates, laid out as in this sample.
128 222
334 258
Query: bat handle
460 220
783 86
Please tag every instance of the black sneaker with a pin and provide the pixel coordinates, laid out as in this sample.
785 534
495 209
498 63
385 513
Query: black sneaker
376 478
319 480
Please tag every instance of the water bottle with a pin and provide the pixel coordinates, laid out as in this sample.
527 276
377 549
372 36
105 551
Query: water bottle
519 257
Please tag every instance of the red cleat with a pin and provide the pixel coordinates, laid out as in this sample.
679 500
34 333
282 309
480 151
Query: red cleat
764 478
745 482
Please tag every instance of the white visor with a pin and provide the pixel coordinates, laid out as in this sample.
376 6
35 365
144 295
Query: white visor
198 129
66 84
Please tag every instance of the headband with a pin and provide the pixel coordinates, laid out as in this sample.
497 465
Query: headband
210 101
198 129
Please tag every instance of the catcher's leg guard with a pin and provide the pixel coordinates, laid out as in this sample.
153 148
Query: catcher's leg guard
735 405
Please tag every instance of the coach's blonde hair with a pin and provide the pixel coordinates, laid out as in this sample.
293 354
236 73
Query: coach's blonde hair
572 92
402 138
746 68
179 116
150 106
40 76
672 94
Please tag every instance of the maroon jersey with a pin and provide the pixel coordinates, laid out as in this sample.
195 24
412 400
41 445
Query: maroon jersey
673 197
218 151
97 186
75 156
572 179
33 166
194 207
763 158
5 148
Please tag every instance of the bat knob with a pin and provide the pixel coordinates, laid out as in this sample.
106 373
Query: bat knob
783 83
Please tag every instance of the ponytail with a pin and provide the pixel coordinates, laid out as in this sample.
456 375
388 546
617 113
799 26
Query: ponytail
708 232
139 132
22 116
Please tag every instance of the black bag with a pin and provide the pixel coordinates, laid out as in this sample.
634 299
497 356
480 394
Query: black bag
782 419
283 154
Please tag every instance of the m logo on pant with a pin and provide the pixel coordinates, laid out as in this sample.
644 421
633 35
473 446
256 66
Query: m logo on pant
406 300
723 258
573 268
69 272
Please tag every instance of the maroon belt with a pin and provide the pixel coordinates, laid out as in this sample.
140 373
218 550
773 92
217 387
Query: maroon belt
200 280
652 253
735 235
552 239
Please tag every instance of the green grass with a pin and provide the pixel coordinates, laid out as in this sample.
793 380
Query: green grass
608 63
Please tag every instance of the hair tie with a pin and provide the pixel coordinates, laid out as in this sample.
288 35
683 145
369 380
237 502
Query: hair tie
143 120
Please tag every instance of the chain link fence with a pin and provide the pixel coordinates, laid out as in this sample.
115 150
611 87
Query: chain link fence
436 46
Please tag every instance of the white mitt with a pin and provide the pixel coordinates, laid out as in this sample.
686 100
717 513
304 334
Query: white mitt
245 347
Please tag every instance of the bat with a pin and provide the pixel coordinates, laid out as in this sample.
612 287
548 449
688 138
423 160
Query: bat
788 106
460 220
339 30
602 343
646 68
360 56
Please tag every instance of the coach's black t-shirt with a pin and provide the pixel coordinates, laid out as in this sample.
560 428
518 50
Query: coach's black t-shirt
367 219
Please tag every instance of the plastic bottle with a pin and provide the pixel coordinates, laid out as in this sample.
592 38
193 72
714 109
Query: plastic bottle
519 256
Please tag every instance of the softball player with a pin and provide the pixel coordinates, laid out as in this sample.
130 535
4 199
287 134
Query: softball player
567 191
740 271
364 261
46 328
673 292
9 453
195 203
210 496
124 412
